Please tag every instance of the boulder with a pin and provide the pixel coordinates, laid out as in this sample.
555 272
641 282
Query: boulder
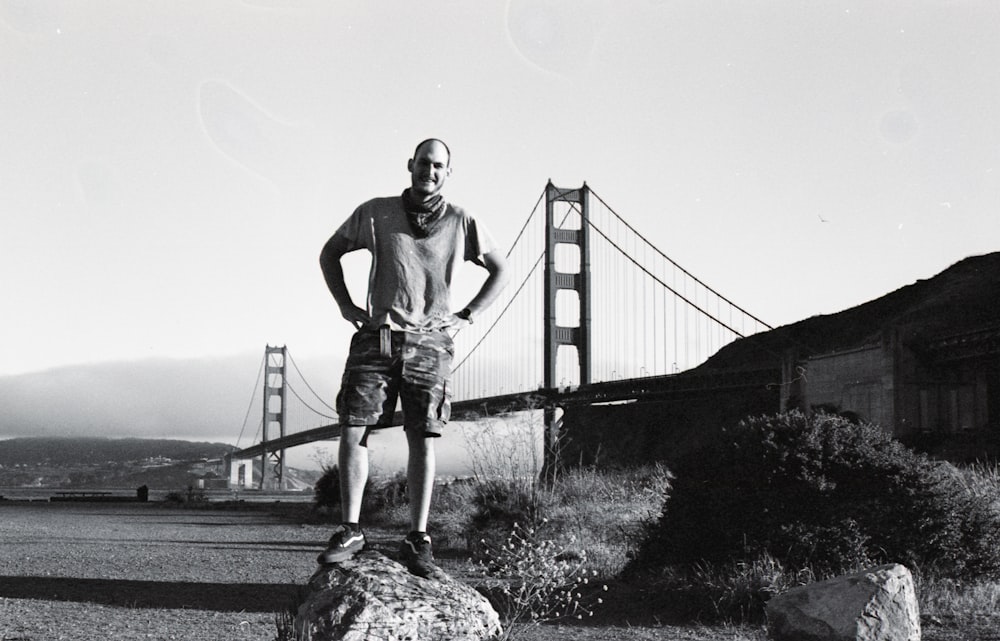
371 597
878 604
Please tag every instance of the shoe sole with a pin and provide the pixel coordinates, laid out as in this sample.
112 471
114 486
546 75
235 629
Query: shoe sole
423 570
330 558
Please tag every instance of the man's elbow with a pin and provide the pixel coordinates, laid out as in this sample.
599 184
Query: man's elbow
330 254
498 268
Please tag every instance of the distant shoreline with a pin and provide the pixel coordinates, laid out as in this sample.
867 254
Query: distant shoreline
44 494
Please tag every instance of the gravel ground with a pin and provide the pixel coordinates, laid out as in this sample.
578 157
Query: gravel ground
141 571
92 572
106 572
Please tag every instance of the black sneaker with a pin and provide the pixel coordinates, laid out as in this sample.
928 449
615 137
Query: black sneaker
344 544
416 555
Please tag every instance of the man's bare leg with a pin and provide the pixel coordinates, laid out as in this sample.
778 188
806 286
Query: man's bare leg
352 459
352 463
420 469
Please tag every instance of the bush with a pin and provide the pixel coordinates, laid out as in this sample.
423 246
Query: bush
532 579
822 494
382 495
326 491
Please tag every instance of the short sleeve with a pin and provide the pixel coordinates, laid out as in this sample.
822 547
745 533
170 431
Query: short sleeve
355 230
478 242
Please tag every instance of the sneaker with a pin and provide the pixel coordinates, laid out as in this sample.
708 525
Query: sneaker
416 555
344 544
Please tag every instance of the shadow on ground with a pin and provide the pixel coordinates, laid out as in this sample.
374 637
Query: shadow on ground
219 597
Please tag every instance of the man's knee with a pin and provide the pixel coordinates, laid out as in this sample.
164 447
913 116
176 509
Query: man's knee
353 437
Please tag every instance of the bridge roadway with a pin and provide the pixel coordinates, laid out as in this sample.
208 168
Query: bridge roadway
650 388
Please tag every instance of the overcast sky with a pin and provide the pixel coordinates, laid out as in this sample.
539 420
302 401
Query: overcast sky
169 170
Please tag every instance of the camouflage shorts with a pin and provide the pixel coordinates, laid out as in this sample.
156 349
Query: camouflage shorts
412 366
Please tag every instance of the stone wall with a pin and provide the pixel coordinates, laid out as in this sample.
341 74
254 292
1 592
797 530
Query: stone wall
858 381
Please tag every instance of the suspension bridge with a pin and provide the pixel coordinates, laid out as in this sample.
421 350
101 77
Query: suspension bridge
594 313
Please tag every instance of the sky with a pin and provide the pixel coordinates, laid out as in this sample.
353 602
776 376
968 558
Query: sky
170 170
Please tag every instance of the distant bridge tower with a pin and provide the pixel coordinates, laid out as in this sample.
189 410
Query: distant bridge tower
570 230
273 463
567 246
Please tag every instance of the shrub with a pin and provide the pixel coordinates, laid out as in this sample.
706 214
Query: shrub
382 495
824 494
533 579
326 491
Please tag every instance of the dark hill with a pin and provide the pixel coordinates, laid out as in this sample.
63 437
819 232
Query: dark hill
95 451
964 297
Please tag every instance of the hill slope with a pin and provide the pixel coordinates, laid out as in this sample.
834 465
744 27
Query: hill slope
964 297
93 451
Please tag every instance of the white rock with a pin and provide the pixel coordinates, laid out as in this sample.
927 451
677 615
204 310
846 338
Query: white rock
879 604
371 597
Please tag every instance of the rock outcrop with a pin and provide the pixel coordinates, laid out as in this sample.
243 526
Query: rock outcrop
879 604
371 597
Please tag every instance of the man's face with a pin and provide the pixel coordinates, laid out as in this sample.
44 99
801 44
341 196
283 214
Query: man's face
429 169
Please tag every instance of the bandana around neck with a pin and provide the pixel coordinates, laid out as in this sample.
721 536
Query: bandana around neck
421 215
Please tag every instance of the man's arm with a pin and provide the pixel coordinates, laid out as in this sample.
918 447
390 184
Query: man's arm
333 273
499 274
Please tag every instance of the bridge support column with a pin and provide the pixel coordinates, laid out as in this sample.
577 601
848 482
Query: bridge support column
273 463
567 228
572 229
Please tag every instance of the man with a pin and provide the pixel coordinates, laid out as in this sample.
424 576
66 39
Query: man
403 346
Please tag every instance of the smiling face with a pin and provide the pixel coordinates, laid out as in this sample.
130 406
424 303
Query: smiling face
429 168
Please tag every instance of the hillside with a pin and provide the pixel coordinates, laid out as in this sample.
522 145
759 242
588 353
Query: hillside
91 451
108 463
963 297
159 464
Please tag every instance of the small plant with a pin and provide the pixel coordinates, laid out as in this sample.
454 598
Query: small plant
191 496
326 491
733 591
533 580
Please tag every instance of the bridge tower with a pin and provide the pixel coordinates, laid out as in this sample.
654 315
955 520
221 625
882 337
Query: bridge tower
273 463
567 246
571 230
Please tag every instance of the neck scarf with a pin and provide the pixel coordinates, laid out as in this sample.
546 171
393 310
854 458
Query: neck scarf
423 215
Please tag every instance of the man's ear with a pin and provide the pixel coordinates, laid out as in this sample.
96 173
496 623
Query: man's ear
409 165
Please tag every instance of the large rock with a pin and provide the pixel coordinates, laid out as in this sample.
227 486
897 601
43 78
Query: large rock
371 597
879 604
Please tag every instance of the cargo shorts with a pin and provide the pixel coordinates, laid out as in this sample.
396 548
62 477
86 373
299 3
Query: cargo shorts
385 365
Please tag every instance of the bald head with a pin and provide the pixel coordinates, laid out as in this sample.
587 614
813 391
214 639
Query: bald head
433 141
429 168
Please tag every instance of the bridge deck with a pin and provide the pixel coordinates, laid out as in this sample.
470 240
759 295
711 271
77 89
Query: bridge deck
649 388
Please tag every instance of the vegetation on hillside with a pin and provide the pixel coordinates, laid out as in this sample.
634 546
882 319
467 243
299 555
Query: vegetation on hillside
108 463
